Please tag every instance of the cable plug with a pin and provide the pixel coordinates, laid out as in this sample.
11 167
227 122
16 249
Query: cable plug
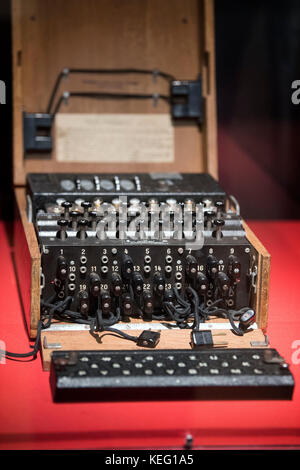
202 339
148 339
247 319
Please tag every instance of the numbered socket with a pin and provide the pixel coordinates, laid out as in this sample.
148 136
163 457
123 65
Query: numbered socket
95 284
127 267
212 267
62 268
158 283
116 284
83 302
137 283
191 266
72 277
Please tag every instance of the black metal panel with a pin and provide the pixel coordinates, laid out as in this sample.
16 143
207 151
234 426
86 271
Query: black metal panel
45 188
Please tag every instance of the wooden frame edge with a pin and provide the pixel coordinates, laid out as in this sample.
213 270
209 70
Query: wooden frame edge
170 339
261 299
210 145
18 167
35 264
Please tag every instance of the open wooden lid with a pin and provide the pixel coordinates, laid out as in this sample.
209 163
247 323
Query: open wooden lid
173 36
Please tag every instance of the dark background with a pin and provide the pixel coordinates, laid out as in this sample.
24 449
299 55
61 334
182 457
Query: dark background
6 195
257 58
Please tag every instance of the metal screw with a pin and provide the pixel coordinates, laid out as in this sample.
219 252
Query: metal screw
284 365
188 441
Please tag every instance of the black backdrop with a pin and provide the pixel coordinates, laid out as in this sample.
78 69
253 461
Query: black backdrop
257 58
6 195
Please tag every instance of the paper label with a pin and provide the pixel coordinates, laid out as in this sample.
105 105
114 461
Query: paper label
114 138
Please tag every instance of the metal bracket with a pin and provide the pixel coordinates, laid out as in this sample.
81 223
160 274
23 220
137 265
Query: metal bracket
186 99
235 203
29 208
42 285
155 74
37 132
261 344
253 275
189 441
271 358
51 345
155 99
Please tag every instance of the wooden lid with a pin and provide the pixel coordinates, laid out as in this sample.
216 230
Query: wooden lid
173 36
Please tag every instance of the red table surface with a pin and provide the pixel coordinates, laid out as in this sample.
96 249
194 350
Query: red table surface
30 420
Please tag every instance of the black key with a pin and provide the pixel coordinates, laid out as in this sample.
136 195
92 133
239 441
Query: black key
215 374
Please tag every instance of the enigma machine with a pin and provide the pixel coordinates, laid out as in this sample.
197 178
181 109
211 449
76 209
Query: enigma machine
138 276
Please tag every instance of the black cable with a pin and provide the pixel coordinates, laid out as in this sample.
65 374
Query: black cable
56 86
40 327
66 72
196 303
115 331
110 320
98 325
179 313
233 326
31 353
96 95
230 314
179 299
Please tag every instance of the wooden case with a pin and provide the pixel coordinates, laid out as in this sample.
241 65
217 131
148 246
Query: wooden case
172 35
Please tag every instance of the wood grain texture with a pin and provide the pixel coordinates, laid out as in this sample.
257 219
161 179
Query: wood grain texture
210 145
174 36
28 263
261 298
175 339
19 174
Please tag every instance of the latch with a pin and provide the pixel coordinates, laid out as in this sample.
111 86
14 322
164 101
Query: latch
37 132
42 284
186 99
253 276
